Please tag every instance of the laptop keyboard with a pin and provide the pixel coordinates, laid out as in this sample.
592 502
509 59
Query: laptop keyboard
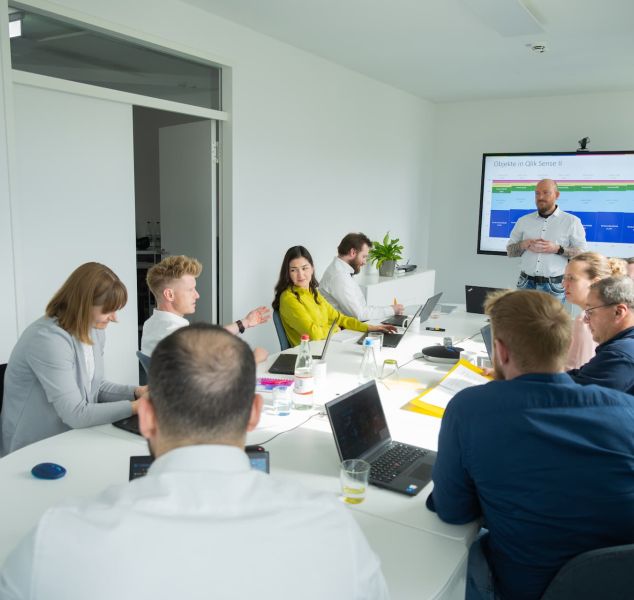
393 462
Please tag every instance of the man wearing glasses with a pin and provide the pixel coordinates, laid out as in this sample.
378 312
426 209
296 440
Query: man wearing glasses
610 317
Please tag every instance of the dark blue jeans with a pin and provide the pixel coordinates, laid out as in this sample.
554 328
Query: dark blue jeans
480 585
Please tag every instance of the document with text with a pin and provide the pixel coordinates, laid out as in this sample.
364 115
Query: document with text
434 400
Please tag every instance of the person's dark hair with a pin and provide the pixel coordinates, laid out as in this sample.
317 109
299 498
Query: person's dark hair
284 282
202 383
630 260
354 241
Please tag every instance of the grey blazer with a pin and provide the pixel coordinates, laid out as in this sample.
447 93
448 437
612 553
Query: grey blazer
46 387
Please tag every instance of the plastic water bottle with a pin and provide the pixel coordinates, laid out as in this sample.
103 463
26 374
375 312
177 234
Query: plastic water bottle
369 369
304 379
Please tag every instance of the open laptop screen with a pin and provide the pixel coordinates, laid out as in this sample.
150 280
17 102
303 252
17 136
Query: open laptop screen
476 296
429 307
358 421
487 337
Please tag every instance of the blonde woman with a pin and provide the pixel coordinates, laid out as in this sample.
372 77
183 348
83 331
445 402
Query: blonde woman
581 272
54 380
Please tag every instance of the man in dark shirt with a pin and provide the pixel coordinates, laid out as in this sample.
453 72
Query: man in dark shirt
547 463
610 316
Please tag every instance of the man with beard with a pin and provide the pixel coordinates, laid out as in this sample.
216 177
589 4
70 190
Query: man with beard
201 523
338 285
545 462
545 240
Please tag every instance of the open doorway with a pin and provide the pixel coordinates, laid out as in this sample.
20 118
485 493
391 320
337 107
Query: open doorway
175 201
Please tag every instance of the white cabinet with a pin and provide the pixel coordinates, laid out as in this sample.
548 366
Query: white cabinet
409 289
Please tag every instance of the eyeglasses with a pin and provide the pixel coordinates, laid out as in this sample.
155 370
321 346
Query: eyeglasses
587 313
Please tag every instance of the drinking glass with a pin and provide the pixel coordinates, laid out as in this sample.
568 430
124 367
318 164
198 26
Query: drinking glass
354 475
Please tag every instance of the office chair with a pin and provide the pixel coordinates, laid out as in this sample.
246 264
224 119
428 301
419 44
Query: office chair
279 328
606 573
144 359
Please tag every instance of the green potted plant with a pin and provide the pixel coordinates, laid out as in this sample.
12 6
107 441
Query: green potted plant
384 255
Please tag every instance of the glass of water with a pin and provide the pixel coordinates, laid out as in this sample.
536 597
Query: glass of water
354 475
281 401
377 338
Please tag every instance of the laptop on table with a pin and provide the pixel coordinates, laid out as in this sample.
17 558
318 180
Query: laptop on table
285 363
487 338
360 431
392 340
398 320
475 297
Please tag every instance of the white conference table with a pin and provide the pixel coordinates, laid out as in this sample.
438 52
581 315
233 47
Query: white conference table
422 557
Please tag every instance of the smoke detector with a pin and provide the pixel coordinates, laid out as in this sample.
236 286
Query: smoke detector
537 47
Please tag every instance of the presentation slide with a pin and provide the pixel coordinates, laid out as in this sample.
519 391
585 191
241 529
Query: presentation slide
596 187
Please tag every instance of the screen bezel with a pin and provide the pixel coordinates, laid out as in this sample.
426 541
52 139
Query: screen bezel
333 410
493 154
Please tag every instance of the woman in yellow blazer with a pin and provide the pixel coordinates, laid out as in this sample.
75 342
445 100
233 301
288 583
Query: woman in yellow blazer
302 308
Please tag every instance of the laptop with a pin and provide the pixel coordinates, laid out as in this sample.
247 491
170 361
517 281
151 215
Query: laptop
476 297
398 320
258 457
285 363
130 424
360 431
487 338
392 340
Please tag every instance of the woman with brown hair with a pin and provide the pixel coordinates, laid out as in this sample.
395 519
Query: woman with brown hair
54 380
301 306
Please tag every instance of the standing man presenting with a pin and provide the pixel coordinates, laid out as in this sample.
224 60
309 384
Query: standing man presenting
339 288
545 240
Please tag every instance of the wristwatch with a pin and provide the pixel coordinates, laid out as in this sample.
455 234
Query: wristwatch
240 326
561 250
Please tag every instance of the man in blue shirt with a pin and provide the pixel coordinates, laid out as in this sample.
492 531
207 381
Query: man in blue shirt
610 317
547 463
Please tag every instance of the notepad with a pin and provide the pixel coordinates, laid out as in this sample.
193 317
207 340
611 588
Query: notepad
434 400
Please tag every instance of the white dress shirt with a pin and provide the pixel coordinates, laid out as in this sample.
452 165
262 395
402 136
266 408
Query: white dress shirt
342 291
158 326
201 524
560 227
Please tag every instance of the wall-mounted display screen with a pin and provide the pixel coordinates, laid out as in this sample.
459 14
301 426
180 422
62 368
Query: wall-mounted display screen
597 187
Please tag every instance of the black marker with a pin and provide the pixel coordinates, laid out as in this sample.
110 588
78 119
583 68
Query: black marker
435 328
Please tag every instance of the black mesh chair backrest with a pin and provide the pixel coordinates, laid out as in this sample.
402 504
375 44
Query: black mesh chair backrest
603 574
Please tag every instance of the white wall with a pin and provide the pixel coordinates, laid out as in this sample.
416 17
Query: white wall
8 314
318 150
75 203
464 131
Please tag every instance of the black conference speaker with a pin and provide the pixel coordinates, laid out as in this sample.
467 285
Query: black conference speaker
442 354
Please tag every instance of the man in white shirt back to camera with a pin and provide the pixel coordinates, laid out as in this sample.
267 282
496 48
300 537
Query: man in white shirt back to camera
201 524
545 240
173 284
338 285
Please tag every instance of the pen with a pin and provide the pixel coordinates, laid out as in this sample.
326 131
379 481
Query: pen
435 328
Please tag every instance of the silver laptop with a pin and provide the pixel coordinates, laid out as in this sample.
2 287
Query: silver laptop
392 340
398 320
